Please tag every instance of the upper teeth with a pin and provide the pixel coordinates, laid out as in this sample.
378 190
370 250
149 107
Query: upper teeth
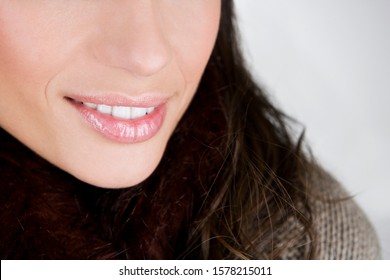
122 112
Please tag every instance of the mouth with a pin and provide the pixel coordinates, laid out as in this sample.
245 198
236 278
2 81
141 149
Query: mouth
120 112
121 120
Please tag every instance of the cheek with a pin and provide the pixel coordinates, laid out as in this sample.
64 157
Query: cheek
26 65
194 38
33 43
29 59
34 46
23 76
17 55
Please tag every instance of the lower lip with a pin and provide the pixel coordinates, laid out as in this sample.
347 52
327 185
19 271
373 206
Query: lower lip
124 131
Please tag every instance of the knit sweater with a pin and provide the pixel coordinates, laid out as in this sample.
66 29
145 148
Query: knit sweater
343 230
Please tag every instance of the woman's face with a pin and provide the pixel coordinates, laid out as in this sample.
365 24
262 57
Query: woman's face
97 87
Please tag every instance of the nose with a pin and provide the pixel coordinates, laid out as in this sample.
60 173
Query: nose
131 36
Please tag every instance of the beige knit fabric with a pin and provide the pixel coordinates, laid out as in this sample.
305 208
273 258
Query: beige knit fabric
343 230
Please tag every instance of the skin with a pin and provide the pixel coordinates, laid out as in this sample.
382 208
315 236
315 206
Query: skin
52 48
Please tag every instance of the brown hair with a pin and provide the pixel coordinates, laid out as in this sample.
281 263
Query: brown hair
230 184
262 184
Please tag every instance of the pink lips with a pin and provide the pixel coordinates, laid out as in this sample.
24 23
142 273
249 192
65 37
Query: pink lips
122 130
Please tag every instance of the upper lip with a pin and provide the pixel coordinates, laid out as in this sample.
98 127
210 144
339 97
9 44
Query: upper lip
143 100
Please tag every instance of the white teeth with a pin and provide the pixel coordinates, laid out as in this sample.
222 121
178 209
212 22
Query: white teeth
149 110
121 112
104 109
90 105
138 112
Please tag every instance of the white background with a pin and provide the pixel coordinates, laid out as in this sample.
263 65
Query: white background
327 63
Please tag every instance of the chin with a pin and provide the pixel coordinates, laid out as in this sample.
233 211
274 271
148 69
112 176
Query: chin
114 180
105 174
